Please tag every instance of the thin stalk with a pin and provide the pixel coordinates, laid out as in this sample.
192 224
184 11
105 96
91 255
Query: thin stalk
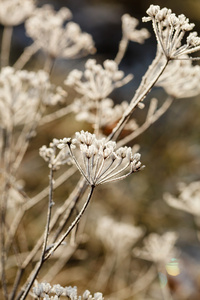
73 224
68 205
44 257
26 56
166 295
6 161
56 115
122 50
5 46
3 254
146 124
68 212
46 234
32 202
16 283
50 205
49 64
134 102
97 124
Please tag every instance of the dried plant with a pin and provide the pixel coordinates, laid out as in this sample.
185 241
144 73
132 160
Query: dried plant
29 99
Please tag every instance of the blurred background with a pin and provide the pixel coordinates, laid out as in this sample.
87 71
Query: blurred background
170 148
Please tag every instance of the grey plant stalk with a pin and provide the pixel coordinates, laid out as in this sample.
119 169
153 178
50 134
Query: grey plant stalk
45 255
46 234
133 104
5 46
148 122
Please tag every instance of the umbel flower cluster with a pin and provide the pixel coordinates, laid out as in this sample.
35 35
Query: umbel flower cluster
98 81
170 30
181 79
188 198
25 94
158 248
98 160
14 12
47 292
120 236
63 41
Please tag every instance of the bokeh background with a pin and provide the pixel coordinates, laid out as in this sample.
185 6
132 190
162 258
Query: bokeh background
170 148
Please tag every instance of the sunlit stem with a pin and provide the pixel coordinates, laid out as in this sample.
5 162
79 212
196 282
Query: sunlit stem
5 46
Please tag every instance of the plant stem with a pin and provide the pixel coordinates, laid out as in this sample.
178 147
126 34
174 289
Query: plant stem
46 234
122 50
5 47
25 56
49 64
133 104
73 224
44 257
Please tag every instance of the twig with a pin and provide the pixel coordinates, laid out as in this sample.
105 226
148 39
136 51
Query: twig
73 224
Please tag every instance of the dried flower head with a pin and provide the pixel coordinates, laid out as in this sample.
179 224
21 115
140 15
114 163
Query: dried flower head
98 160
54 158
110 113
119 237
41 288
181 79
98 81
188 199
44 291
129 25
158 248
170 30
23 94
46 28
14 12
